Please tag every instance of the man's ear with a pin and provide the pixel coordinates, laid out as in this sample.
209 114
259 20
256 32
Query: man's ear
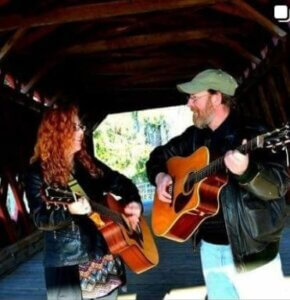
217 98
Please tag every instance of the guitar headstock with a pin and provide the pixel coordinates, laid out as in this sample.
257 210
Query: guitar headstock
278 138
57 197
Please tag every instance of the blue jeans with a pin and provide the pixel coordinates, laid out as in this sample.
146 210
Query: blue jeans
218 268
224 282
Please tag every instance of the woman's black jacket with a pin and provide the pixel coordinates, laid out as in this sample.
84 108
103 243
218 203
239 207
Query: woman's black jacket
70 240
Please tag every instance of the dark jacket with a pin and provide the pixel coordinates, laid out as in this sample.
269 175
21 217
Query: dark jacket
253 204
72 239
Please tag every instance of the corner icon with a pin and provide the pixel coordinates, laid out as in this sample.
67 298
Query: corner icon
282 13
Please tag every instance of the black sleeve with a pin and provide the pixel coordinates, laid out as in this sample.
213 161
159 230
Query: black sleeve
267 176
118 184
44 219
182 145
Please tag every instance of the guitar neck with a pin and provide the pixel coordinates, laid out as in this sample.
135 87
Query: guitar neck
218 164
63 197
106 212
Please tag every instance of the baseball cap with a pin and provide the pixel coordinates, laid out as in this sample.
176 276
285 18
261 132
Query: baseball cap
214 79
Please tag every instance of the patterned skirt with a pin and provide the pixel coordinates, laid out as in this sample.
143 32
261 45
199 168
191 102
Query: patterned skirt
101 276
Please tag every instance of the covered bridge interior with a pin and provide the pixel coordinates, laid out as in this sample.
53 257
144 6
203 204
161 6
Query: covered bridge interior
118 55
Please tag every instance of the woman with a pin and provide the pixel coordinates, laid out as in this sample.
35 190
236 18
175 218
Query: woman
71 238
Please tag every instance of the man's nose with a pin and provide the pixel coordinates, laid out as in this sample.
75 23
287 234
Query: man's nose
190 103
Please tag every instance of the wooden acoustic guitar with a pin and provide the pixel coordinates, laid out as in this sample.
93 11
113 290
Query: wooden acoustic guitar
197 184
136 247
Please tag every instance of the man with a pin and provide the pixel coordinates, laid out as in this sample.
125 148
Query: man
239 245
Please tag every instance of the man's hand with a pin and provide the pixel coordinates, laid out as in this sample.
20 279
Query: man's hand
237 162
80 207
133 213
163 181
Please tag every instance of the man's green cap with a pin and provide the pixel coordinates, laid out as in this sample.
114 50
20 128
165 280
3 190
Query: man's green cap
213 79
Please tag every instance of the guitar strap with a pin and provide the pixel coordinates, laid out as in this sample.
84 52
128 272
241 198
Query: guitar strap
77 189
103 274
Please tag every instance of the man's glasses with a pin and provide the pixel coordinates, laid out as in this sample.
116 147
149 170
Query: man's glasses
80 127
194 98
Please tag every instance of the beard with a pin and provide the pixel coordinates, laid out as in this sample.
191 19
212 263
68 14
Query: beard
202 118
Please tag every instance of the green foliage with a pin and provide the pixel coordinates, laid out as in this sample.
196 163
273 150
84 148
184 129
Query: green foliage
120 142
124 141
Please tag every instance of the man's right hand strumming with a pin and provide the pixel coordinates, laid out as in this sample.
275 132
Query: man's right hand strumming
163 181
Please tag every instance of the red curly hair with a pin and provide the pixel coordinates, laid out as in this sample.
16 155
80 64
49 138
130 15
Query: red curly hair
55 143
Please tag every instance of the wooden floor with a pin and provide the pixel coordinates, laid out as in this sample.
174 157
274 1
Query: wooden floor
178 276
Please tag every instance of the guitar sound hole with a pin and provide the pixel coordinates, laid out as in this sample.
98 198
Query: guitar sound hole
189 183
181 201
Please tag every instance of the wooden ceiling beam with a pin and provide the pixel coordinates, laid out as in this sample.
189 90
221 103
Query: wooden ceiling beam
230 9
146 40
26 88
97 11
259 18
235 46
169 71
172 74
125 100
34 37
11 42
141 64
51 61
4 2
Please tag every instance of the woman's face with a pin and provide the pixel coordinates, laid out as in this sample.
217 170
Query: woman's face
78 135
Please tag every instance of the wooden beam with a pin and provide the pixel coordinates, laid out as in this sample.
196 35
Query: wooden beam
230 9
97 11
165 79
134 66
34 37
39 74
235 46
147 98
265 106
4 2
9 44
276 57
259 18
5 220
286 78
180 69
146 40
277 100
18 197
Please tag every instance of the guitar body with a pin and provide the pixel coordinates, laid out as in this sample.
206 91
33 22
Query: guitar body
190 205
137 248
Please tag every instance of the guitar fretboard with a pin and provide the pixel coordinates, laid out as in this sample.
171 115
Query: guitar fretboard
58 196
218 164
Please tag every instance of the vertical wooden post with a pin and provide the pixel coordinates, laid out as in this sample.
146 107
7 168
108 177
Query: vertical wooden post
5 220
23 215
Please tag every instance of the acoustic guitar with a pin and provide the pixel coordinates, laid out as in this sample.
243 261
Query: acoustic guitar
136 247
197 184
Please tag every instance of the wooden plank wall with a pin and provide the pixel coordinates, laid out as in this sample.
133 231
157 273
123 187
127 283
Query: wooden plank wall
265 92
19 239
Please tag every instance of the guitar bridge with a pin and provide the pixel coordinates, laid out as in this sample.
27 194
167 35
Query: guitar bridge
197 213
